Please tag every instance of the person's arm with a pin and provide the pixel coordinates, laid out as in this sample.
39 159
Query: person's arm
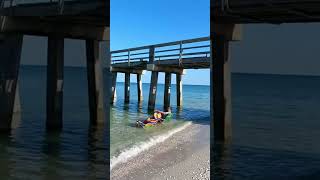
162 112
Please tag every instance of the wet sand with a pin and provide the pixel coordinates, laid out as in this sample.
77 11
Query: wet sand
185 155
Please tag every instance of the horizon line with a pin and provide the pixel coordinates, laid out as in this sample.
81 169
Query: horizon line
236 72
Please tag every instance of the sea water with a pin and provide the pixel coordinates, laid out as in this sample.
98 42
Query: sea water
276 121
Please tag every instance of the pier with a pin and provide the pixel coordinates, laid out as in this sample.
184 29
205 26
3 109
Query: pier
87 20
227 19
169 58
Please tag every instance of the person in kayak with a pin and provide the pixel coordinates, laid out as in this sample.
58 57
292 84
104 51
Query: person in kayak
164 113
158 116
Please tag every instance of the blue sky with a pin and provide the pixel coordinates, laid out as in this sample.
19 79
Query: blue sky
145 22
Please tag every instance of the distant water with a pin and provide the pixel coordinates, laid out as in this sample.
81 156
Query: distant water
276 121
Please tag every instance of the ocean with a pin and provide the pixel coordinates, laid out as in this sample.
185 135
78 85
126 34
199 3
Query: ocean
275 129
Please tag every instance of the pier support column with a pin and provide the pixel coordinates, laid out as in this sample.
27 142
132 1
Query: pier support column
221 88
95 82
17 102
55 82
127 88
55 57
10 51
153 90
139 86
220 93
179 90
114 84
167 90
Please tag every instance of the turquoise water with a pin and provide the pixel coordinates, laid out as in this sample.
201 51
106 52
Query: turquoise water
276 122
125 135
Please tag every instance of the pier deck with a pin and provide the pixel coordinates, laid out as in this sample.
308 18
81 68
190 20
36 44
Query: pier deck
185 54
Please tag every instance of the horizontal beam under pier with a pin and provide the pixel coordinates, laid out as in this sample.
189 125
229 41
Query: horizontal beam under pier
167 69
45 27
127 70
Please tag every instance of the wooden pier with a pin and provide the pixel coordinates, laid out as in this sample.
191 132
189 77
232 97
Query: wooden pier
169 58
57 19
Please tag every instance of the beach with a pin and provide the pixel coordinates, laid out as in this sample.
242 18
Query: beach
184 155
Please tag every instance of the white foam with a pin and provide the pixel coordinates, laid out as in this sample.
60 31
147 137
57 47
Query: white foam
127 154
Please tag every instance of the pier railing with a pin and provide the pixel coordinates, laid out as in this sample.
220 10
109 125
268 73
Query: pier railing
177 50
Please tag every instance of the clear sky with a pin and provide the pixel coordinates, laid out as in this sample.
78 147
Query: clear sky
145 22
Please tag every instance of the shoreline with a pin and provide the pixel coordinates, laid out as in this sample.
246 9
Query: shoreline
184 155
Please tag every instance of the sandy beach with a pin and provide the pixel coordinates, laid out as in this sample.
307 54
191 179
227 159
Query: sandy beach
185 155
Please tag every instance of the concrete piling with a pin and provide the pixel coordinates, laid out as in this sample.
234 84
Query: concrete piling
95 82
17 101
179 89
139 88
55 82
153 90
167 90
127 88
10 52
221 89
114 84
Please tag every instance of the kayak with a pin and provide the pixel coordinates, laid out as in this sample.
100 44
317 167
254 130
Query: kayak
153 124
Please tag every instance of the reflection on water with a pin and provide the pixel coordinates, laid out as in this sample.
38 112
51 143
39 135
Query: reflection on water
220 159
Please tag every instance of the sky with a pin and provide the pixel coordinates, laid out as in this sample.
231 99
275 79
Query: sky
270 49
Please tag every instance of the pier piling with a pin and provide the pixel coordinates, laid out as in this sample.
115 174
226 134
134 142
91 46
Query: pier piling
127 88
55 82
153 90
221 89
114 84
95 82
179 89
17 102
10 49
221 115
139 86
167 89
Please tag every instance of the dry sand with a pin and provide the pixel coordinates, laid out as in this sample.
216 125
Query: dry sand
185 155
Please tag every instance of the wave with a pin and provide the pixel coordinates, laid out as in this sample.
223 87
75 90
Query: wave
128 154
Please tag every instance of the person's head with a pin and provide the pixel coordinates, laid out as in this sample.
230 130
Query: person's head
168 109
